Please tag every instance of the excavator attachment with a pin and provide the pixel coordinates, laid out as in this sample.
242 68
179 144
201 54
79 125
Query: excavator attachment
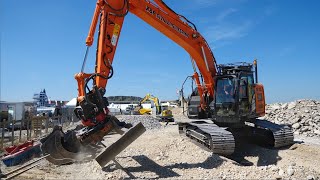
80 144
60 147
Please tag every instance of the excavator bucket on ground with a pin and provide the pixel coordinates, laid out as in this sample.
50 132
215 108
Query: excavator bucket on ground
65 148
55 145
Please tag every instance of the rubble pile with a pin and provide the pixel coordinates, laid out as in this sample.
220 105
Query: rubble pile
148 121
303 115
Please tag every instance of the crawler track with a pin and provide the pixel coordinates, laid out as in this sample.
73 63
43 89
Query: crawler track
209 137
221 140
282 135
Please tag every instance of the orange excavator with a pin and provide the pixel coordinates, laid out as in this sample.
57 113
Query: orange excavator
224 105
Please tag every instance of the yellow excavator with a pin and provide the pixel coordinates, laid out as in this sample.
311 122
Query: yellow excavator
164 114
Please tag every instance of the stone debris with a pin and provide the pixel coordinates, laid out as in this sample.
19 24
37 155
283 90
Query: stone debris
148 121
281 172
290 171
302 115
310 177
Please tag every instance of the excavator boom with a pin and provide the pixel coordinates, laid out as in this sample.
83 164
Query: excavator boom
157 14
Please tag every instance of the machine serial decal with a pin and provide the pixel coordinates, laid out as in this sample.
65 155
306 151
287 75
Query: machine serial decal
158 16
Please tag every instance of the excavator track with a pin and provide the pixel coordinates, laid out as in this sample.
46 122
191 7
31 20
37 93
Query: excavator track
221 140
209 137
282 135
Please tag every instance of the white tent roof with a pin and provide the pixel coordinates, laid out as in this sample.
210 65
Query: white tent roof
72 103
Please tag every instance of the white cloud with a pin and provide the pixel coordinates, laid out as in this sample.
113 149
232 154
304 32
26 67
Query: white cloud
286 51
209 3
206 2
227 32
230 23
225 13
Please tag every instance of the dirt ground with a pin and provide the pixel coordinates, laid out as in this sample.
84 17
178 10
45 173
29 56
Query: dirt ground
163 154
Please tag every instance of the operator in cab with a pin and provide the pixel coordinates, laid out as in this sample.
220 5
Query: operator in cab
228 91
225 94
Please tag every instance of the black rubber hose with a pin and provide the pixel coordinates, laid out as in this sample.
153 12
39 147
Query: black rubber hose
125 3
86 83
110 67
194 26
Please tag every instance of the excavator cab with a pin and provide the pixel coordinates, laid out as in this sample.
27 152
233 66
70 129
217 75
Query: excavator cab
225 97
235 95
238 97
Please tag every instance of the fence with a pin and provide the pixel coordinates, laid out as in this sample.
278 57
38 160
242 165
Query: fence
13 132
35 127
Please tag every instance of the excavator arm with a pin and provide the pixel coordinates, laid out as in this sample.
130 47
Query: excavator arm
156 103
110 15
146 98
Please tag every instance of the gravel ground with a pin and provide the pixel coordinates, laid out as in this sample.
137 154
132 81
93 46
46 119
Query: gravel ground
161 153
148 121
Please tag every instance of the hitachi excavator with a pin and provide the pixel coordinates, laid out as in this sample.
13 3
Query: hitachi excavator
225 104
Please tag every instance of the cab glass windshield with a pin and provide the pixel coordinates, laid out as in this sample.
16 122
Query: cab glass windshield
225 91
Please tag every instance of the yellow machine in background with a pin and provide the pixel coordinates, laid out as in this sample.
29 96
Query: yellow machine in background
163 112
139 110
166 114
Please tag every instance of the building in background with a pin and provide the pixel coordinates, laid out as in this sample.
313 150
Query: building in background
16 110
41 99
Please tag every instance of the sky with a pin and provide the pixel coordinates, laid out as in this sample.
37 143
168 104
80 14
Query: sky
43 45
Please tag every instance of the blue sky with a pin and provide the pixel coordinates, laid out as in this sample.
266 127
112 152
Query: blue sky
43 44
